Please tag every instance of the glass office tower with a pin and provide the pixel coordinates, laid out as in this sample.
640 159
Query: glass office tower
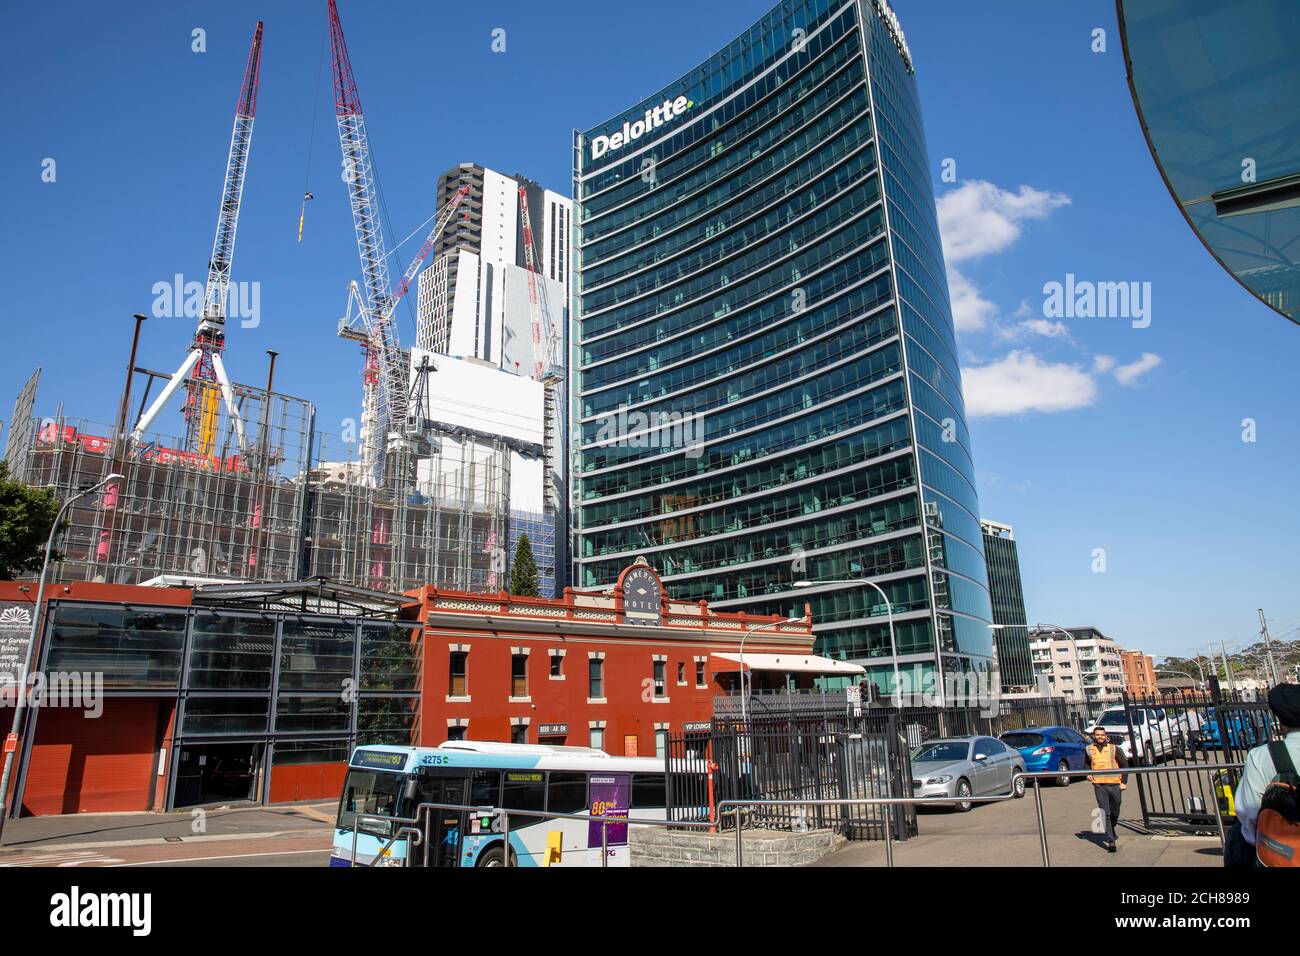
1015 668
765 373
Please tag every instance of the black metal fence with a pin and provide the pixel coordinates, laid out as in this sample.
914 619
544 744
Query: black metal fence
797 756
819 747
1197 729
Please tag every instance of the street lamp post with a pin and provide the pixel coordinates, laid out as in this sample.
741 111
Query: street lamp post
20 705
889 611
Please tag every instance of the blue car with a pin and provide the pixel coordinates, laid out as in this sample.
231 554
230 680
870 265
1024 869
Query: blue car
1242 731
1049 748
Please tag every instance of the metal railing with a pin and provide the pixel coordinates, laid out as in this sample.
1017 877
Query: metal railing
737 806
412 825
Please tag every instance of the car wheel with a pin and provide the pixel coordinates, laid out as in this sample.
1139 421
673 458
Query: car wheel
1063 781
963 790
494 857
1018 783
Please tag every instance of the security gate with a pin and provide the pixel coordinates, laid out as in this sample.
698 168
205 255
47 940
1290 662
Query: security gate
798 756
1200 730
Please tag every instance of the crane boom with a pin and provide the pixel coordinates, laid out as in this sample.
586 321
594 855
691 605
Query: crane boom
241 138
385 398
545 348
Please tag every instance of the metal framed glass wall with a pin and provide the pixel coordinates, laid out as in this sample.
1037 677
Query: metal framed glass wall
269 688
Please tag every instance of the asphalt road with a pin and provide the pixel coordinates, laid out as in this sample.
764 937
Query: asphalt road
1006 834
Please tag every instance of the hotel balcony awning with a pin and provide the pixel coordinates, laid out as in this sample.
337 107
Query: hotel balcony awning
792 664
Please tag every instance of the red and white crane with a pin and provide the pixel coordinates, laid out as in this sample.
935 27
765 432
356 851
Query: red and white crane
546 352
203 373
385 390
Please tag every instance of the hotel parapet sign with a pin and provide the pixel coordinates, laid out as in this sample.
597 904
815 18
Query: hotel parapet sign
643 601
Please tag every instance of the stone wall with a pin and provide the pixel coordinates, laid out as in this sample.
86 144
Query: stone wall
657 846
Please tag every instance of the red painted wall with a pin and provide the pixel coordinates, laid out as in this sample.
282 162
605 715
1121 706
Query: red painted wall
307 781
630 709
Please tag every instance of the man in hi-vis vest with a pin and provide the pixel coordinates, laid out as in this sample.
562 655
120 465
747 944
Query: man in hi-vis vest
1107 785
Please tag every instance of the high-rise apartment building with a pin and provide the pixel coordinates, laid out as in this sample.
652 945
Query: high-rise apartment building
1011 637
765 377
476 303
1080 663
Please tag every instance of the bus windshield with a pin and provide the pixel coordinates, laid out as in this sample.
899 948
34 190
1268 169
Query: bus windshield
370 792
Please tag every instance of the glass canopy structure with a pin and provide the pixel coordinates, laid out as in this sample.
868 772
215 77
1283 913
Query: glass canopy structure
1217 90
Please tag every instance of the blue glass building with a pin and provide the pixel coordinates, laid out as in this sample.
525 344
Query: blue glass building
766 387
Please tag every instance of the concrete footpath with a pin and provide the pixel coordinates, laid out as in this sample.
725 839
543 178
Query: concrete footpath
85 831
1006 834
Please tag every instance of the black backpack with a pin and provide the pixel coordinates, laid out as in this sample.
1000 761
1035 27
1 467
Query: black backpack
1277 828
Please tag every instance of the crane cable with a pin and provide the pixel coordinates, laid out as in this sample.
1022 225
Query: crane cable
311 140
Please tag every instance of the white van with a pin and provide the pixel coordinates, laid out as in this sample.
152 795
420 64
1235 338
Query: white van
1155 735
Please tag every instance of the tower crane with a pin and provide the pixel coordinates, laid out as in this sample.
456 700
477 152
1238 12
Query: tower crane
547 367
203 373
385 391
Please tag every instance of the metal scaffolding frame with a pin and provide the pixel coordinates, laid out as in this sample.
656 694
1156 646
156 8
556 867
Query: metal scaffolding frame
298 504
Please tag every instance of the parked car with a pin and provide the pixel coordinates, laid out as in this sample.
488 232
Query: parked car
958 768
1243 732
1049 748
1154 737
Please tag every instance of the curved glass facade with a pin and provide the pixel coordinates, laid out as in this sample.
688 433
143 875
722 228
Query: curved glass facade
766 387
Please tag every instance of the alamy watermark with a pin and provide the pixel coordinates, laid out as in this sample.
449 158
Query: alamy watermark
178 298
71 690
1085 299
666 431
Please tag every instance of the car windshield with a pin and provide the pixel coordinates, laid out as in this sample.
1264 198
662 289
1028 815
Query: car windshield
1117 717
944 750
1019 740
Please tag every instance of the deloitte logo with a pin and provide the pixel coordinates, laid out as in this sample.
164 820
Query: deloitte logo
665 111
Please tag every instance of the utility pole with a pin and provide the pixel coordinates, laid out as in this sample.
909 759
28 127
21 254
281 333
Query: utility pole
1227 671
1268 648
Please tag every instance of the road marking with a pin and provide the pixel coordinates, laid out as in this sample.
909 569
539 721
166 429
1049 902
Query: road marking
57 858
231 856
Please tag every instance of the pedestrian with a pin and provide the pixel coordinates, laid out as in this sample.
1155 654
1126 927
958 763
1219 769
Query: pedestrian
1107 787
1267 831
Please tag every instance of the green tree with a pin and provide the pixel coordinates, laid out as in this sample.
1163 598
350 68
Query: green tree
523 571
26 517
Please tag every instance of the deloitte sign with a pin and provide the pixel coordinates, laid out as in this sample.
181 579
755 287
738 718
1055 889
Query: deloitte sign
661 114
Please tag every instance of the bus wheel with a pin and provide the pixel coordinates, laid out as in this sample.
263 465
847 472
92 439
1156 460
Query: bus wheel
495 857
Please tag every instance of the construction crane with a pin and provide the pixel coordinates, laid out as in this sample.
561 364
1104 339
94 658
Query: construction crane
385 391
546 351
359 325
203 373
547 367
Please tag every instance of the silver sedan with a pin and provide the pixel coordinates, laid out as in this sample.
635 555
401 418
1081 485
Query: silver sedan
961 767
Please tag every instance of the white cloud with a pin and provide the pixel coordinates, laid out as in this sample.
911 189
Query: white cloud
970 311
1130 373
1102 363
977 218
1022 382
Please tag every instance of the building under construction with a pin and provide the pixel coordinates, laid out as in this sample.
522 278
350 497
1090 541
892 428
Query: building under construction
293 504
245 488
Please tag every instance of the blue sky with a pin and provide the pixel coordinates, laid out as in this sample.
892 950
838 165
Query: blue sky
1091 434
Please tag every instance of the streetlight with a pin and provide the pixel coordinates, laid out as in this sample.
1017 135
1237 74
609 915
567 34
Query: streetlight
744 712
20 704
889 610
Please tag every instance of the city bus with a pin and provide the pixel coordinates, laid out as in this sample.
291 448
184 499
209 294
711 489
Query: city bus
392 782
